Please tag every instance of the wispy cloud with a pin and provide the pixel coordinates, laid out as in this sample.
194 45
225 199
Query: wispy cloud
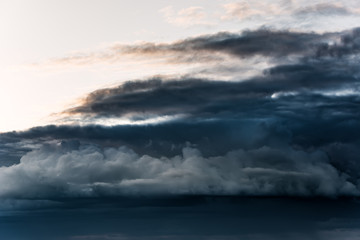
215 47
185 17
323 9
300 14
232 56
245 9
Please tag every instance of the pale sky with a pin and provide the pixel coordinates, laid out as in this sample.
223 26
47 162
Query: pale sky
38 35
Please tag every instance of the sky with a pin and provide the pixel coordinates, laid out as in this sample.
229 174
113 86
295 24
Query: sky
172 116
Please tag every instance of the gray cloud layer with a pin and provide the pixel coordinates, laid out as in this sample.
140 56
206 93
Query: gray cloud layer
323 9
208 48
85 170
164 97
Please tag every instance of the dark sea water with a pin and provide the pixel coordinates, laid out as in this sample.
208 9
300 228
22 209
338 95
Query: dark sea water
192 218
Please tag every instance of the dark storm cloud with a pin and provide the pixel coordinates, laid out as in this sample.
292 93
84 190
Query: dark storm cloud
306 120
301 113
12 149
349 45
211 137
281 149
88 171
293 131
195 97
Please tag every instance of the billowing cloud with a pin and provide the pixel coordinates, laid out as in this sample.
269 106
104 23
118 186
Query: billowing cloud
74 170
